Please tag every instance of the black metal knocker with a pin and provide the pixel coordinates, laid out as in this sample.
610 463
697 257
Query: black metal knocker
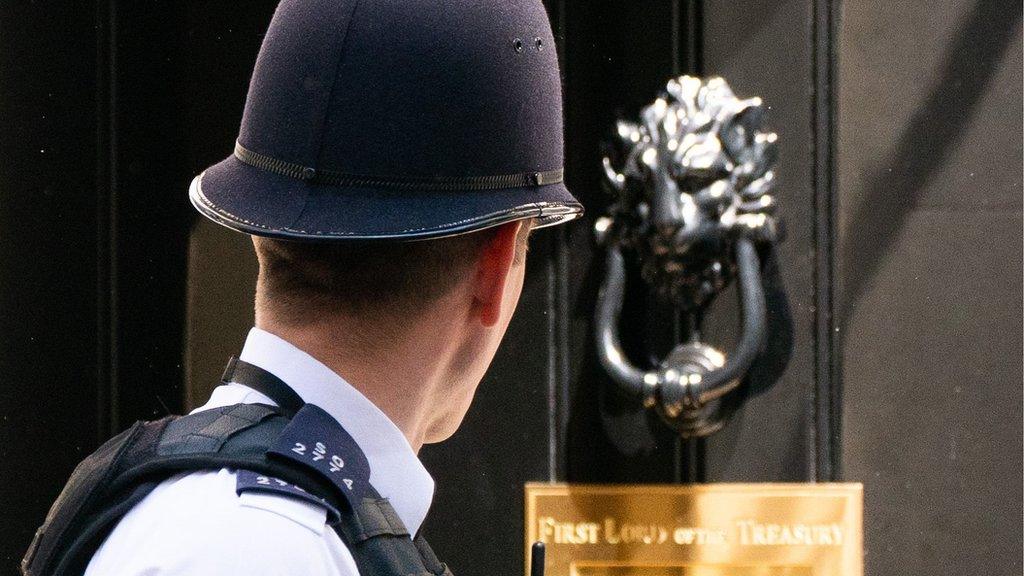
691 183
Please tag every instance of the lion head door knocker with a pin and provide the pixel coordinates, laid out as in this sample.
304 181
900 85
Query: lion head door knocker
691 183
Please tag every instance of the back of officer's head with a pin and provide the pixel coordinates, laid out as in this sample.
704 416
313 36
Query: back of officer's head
302 283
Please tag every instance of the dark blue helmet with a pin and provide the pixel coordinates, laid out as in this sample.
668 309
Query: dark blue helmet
396 119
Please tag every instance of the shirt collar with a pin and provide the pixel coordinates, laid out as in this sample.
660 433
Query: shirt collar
395 470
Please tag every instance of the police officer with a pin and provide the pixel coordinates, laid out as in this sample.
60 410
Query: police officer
392 159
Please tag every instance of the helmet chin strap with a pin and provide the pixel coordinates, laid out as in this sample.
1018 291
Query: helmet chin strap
423 183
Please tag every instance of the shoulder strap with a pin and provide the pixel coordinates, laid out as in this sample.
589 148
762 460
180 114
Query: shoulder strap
263 382
430 560
379 541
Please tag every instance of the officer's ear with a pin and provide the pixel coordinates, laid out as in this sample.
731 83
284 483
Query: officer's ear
497 257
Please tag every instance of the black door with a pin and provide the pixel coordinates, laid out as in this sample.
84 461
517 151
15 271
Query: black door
894 356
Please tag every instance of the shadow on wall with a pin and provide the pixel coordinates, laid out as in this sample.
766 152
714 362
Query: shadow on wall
928 139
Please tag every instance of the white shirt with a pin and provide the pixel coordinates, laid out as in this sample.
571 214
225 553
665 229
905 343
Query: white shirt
196 524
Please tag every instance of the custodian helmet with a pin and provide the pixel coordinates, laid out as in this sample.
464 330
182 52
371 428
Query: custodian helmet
396 119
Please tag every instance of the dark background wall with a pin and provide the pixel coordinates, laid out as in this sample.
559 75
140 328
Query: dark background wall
901 278
930 259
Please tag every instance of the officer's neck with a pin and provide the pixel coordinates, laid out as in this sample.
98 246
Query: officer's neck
405 371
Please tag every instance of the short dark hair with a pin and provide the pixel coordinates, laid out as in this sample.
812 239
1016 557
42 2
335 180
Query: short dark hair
298 281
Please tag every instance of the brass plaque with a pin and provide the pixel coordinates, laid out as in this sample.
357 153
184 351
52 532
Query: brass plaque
697 530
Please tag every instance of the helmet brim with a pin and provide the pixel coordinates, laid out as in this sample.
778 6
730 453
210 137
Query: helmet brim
262 203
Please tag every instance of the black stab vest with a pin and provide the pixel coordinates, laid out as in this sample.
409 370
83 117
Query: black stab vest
244 437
